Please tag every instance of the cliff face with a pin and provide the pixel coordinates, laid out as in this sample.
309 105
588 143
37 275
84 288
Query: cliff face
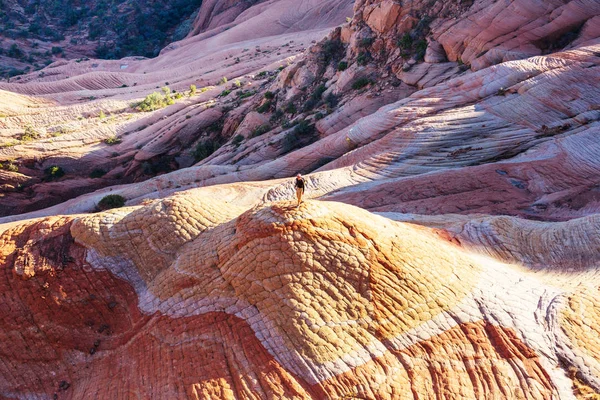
447 245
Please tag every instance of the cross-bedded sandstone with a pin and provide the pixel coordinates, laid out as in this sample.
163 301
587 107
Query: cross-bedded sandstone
181 298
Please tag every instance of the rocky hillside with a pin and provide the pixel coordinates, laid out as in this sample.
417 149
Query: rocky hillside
447 247
36 33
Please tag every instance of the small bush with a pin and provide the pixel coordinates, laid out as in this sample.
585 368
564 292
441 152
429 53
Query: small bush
264 107
237 140
366 42
237 83
101 115
113 140
192 90
9 166
291 108
155 101
304 128
331 50
363 58
342 66
361 83
277 115
405 41
97 173
420 48
204 149
269 95
29 134
223 80
111 201
225 93
54 172
260 130
331 100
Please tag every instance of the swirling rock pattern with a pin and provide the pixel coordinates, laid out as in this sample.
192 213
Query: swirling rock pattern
184 299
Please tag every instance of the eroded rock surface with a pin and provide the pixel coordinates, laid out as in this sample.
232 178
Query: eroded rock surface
184 299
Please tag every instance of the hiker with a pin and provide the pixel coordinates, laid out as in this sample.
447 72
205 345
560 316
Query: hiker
299 188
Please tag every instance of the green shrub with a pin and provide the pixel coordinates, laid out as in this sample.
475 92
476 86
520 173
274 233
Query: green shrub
9 166
331 50
111 141
225 92
29 134
304 128
405 42
366 42
260 130
291 108
155 101
237 83
363 58
420 48
192 90
342 66
243 95
111 201
223 80
101 115
269 95
264 107
237 140
361 83
97 173
54 172
204 149
331 100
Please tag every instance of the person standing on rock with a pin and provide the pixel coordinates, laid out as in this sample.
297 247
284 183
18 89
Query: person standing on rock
299 188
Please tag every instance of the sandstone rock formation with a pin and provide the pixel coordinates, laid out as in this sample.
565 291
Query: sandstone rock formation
448 246
183 298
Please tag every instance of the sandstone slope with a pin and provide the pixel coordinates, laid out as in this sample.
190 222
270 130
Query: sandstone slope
448 247
185 298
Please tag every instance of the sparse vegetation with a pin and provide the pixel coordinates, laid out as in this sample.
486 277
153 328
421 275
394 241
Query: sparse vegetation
113 140
331 100
101 115
156 101
223 80
363 58
97 173
29 134
204 149
263 108
237 140
111 201
269 95
361 83
54 172
260 130
192 90
9 166
290 108
342 66
331 50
